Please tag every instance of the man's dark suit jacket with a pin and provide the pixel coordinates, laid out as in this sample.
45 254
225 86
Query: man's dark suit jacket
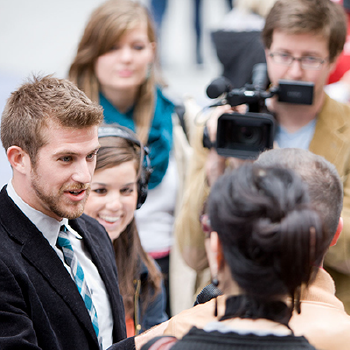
40 306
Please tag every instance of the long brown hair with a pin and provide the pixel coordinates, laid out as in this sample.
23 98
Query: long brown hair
128 250
106 26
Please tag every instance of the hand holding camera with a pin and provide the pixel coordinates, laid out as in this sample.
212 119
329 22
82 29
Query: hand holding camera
246 135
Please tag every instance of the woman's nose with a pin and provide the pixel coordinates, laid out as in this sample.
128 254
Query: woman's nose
126 53
114 202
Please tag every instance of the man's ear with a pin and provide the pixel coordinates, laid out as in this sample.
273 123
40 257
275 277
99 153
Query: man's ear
337 233
18 159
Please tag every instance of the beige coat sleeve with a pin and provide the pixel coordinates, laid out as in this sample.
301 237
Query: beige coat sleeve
332 141
188 229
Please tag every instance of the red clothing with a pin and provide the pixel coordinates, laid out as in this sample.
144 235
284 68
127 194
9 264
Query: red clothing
130 327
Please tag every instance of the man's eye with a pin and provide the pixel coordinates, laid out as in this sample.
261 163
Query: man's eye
310 59
284 56
66 159
91 156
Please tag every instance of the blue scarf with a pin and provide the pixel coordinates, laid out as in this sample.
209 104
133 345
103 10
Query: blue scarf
160 137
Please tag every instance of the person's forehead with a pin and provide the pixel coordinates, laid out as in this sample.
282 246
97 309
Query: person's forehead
75 140
303 42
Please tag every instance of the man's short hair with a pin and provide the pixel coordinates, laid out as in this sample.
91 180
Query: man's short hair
39 101
324 184
320 17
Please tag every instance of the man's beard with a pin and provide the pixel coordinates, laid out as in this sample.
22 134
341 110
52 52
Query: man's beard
56 202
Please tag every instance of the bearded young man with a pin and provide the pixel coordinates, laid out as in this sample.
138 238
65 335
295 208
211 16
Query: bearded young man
58 279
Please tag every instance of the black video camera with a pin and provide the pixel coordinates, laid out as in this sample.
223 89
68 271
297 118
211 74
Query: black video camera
246 135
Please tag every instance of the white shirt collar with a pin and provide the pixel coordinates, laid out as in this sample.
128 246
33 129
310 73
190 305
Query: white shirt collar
47 225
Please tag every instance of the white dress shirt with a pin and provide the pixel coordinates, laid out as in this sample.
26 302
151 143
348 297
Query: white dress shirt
50 228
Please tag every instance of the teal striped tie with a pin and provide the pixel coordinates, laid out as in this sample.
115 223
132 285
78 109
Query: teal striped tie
63 243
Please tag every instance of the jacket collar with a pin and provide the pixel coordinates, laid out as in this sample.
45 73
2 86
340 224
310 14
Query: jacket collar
38 252
331 114
331 139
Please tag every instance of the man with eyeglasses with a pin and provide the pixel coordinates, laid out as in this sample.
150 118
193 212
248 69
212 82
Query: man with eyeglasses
302 39
302 42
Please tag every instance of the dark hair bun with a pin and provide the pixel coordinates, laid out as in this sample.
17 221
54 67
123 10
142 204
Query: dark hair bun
271 236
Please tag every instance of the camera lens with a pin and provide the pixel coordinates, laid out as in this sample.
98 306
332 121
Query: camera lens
244 136
249 135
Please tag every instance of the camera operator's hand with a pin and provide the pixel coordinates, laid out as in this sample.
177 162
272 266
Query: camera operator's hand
216 164
212 123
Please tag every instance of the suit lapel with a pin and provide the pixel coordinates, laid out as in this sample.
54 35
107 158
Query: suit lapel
38 252
104 262
51 267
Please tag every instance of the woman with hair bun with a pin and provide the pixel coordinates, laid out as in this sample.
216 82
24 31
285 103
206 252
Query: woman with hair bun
263 238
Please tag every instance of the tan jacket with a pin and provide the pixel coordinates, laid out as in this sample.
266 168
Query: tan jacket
331 140
322 321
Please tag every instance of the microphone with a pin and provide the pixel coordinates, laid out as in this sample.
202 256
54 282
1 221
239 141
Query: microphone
218 86
259 76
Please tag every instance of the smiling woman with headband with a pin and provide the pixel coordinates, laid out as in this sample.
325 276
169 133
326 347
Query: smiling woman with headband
119 186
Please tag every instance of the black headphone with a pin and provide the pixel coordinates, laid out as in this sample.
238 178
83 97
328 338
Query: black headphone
116 130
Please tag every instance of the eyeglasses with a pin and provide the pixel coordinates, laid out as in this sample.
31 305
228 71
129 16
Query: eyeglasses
205 223
306 62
